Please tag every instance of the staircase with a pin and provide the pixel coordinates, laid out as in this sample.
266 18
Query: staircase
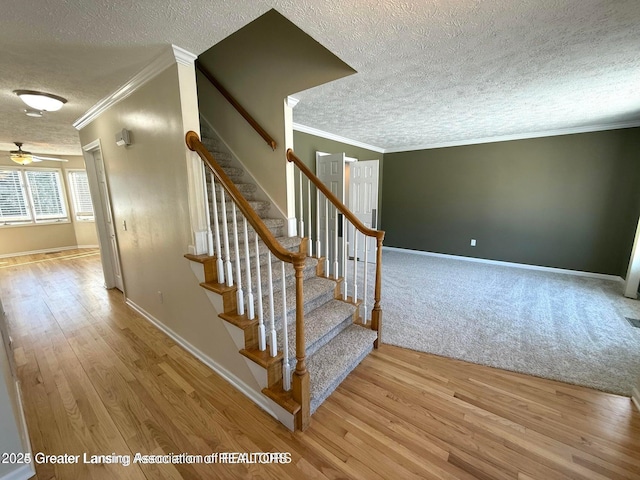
335 338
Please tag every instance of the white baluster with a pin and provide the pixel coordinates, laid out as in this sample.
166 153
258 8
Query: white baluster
365 287
309 222
239 291
273 343
318 244
262 340
335 247
219 263
225 229
326 237
301 231
207 211
345 256
247 267
355 264
286 368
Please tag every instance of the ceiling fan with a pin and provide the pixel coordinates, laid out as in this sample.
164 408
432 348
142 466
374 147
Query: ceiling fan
23 158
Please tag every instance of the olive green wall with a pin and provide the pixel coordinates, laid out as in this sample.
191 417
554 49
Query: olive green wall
260 65
568 201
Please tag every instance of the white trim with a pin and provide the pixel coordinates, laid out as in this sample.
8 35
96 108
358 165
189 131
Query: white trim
255 397
635 397
601 276
292 101
519 136
23 473
160 63
292 230
87 246
337 138
44 250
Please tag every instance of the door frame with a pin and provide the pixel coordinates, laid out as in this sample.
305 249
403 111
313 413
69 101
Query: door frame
108 257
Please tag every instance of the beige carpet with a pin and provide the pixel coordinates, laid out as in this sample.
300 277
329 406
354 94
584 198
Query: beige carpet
552 325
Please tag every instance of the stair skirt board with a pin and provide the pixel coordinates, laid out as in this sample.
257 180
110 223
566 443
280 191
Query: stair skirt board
268 405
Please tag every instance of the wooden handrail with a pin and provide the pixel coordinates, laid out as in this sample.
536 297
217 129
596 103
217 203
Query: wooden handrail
256 126
194 144
379 234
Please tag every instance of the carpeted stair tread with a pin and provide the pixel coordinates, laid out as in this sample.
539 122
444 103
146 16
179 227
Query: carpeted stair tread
290 243
330 365
316 292
275 225
262 208
310 267
320 326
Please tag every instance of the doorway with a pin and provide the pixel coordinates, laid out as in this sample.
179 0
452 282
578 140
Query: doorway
107 233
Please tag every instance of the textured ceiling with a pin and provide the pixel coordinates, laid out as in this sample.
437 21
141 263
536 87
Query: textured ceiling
429 71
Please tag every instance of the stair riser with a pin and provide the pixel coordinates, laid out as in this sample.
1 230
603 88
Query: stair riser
311 348
309 306
261 208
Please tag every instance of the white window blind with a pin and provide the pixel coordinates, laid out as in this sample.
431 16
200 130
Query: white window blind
31 196
13 201
80 195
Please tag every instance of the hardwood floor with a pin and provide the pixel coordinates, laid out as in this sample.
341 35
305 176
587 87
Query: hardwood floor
98 379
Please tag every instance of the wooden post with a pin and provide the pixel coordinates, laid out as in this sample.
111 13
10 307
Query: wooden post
301 388
376 313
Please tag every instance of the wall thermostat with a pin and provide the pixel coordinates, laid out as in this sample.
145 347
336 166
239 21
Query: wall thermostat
123 137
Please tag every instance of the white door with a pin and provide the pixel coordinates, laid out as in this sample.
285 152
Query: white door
330 171
363 202
104 219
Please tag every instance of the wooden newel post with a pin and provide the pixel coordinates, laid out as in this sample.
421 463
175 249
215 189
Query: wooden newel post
376 313
301 389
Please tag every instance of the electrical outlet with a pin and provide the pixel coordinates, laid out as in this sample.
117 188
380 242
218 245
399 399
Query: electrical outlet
473 242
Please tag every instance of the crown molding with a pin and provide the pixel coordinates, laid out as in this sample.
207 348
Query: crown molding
520 136
336 138
160 63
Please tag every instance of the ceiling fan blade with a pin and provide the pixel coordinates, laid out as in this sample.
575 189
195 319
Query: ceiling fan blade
38 158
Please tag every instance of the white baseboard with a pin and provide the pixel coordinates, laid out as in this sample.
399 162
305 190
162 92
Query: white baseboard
47 250
258 398
635 397
578 273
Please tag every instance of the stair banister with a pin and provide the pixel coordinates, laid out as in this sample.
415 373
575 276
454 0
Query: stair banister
225 93
376 313
300 381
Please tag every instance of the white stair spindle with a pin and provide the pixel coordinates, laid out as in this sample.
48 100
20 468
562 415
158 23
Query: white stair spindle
301 234
225 229
239 291
262 339
309 222
219 263
355 264
318 244
286 368
326 237
273 341
207 211
365 292
335 246
345 257
247 266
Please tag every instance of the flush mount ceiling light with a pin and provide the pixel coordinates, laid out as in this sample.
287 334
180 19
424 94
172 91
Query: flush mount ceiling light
41 101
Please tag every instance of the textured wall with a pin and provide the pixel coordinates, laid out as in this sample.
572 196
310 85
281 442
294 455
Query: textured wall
567 202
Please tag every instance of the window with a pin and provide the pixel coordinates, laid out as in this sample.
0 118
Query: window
31 196
80 195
